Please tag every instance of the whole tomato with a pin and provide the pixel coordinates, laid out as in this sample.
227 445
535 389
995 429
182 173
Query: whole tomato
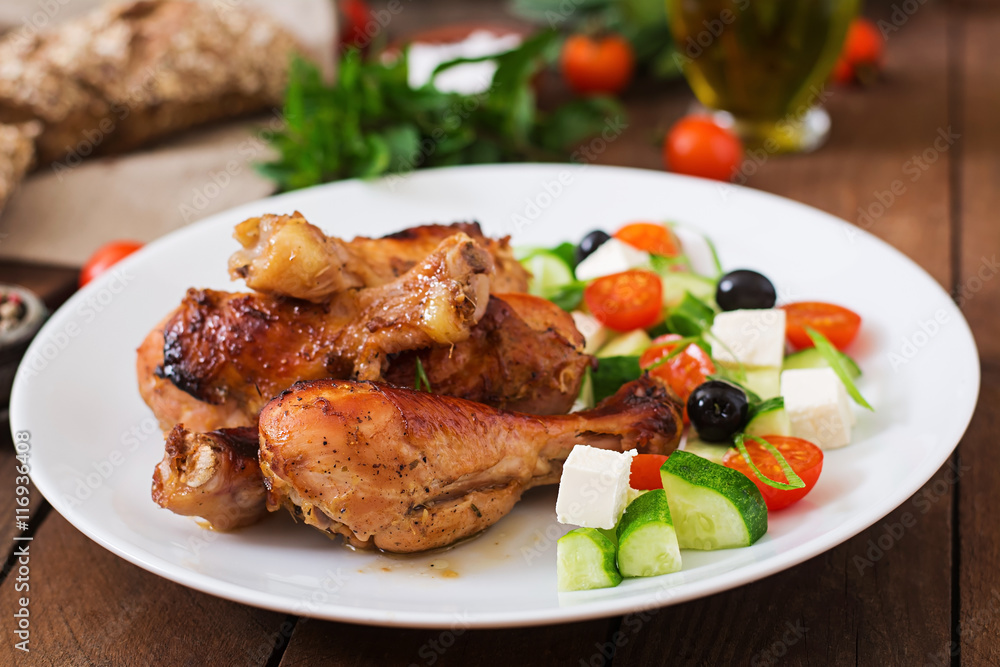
863 53
106 257
697 146
596 66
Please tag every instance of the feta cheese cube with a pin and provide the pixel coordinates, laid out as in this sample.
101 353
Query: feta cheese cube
594 333
754 337
594 487
613 256
817 406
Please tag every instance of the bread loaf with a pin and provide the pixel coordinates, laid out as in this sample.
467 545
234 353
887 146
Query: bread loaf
17 153
128 74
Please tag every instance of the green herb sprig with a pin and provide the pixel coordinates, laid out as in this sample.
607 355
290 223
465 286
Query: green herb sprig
371 122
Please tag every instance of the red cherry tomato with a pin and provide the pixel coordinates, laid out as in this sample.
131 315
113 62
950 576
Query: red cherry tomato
649 236
626 301
105 257
355 15
805 458
696 146
645 472
837 323
597 66
684 372
862 55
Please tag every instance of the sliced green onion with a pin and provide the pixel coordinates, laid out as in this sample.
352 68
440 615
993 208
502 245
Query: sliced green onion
833 357
681 343
795 482
421 379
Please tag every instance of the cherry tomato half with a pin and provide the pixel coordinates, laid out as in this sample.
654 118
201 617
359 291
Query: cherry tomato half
805 458
684 372
645 472
595 66
106 257
837 323
649 236
862 55
696 146
626 301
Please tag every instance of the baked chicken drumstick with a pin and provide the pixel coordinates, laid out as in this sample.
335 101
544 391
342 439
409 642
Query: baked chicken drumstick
284 255
407 471
236 351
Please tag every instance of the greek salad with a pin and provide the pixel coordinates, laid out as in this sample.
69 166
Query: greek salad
766 389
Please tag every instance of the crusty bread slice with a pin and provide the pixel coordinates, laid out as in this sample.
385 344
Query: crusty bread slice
127 74
17 154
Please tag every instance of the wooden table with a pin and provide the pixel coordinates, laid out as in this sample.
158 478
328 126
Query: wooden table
932 598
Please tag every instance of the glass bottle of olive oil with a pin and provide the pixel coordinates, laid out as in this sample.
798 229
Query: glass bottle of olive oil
764 62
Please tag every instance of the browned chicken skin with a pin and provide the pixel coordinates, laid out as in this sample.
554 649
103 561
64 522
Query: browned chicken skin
525 354
285 255
408 471
239 350
214 476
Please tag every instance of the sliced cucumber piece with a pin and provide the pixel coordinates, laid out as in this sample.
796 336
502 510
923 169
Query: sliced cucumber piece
585 559
772 422
549 272
811 358
707 450
647 543
675 285
633 494
765 382
713 507
631 344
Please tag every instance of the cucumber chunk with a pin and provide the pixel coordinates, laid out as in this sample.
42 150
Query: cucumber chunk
765 382
713 507
585 559
772 422
647 543
811 358
676 284
632 344
548 272
706 450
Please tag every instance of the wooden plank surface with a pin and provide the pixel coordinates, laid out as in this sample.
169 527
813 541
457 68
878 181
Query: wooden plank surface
978 626
90 607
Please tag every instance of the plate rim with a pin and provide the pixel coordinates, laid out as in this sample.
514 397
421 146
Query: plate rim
740 576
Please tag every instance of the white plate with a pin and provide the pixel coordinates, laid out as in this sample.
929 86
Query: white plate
94 442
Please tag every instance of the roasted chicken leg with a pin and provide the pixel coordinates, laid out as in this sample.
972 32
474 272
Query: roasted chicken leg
214 476
408 471
525 354
237 351
285 255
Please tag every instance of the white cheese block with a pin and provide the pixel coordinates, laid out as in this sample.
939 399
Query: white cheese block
755 338
817 406
594 487
612 256
594 333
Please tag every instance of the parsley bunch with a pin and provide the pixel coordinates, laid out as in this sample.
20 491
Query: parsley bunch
371 122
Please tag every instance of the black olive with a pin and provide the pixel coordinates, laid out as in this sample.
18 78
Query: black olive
745 289
717 410
590 243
